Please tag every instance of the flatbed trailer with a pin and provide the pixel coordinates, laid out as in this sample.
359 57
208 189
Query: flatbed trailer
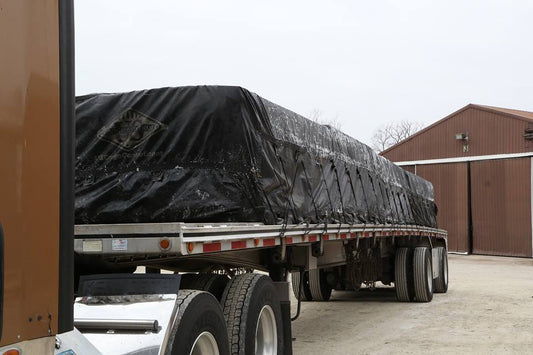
218 257
212 301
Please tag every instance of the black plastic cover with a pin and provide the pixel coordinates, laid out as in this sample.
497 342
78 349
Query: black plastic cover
224 154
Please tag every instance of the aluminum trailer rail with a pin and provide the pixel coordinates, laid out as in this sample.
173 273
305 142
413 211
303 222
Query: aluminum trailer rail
181 239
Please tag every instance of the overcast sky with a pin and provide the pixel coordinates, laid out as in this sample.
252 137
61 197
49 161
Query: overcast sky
365 63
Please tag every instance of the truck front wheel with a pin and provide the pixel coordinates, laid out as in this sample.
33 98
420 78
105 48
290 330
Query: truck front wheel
199 326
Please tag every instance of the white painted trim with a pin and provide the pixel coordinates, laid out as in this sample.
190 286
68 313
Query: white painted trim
531 203
464 159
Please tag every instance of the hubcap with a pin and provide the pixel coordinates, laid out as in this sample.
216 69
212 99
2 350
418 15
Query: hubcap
266 333
205 344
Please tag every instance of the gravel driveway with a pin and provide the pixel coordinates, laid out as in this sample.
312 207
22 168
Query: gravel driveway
488 310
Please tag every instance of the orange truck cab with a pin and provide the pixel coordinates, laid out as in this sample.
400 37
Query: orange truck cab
36 155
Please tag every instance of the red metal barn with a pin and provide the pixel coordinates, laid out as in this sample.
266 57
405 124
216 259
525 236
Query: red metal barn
479 160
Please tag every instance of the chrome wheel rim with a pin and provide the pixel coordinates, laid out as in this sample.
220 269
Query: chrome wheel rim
205 344
266 333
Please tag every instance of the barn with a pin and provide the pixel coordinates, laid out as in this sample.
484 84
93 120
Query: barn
479 160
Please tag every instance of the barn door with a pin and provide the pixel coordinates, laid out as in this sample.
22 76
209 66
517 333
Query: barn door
450 183
501 207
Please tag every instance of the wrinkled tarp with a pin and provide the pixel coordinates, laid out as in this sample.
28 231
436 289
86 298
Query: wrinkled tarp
224 154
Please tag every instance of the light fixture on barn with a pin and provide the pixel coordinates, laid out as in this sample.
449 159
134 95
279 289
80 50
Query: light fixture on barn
464 138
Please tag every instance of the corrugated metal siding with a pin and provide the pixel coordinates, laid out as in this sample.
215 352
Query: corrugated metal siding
410 168
501 207
450 182
489 133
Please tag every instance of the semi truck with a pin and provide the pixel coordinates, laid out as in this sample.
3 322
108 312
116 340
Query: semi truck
223 215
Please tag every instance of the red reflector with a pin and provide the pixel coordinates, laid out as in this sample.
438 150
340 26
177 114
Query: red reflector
342 236
288 240
209 247
240 244
325 237
269 242
313 238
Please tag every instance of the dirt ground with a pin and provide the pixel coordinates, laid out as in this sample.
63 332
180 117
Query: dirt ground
488 310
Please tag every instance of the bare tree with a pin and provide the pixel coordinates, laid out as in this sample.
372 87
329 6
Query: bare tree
393 133
317 116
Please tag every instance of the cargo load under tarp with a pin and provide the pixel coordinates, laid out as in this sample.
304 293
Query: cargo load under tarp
224 154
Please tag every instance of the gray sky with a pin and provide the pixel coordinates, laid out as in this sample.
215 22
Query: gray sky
365 62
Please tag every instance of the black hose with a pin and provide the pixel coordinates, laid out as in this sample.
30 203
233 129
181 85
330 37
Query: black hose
300 287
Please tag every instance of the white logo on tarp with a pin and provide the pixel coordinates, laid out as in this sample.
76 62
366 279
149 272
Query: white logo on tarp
130 129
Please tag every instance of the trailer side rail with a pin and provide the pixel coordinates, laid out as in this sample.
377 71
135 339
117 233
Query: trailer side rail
181 239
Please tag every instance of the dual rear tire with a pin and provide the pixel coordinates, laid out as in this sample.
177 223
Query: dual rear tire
414 274
201 327
441 282
247 320
252 312
314 285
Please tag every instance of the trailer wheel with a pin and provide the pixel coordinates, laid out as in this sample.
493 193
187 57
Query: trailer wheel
253 315
200 326
423 274
296 278
318 285
441 282
403 274
212 283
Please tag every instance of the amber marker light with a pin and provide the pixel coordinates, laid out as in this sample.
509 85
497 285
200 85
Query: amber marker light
164 243
190 247
256 242
11 352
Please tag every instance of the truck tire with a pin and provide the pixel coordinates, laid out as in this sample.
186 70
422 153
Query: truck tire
441 282
296 279
423 274
200 326
252 311
403 274
318 285
212 283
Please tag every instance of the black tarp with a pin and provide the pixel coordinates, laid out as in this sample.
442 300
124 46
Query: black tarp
224 154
